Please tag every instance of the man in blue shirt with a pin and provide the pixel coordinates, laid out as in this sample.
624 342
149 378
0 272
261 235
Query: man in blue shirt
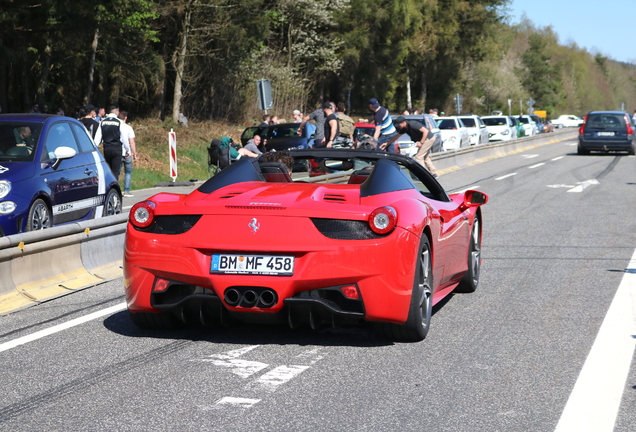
384 129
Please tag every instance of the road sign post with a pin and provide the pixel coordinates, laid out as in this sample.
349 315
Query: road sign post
264 90
172 150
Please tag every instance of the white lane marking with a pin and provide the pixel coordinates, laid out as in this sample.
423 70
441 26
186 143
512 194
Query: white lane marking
506 176
572 144
230 359
236 402
242 368
557 158
467 189
530 156
595 400
277 377
58 328
584 185
536 166
556 186
234 353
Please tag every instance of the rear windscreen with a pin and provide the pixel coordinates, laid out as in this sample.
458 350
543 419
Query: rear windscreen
469 122
605 121
496 121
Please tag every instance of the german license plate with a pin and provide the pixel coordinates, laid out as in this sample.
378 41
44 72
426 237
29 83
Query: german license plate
252 264
605 133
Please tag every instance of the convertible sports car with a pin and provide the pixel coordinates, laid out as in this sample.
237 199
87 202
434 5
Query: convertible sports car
253 245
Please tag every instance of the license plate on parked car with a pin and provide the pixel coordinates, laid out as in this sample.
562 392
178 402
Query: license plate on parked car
252 264
605 133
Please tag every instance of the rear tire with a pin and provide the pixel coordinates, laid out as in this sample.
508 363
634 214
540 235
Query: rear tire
471 278
418 322
580 150
112 205
632 150
155 321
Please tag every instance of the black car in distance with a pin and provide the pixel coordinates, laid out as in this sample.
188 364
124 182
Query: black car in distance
607 131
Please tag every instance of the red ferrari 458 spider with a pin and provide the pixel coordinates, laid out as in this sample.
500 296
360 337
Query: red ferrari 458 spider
377 239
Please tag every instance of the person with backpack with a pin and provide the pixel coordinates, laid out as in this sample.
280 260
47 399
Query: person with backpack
346 123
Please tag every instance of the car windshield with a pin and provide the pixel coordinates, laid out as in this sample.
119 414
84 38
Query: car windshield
469 122
605 121
19 140
360 131
495 121
524 120
447 124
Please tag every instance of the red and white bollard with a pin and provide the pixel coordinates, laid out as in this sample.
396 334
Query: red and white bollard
172 148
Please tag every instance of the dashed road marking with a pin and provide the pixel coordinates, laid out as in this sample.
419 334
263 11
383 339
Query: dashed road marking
506 176
529 156
557 158
536 165
467 189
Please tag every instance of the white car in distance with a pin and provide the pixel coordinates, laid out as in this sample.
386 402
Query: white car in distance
477 130
500 128
454 133
567 120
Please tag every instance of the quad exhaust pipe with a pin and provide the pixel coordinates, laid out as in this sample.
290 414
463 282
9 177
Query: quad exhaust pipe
249 297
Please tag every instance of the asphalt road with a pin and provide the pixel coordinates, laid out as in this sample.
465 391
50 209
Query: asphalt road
559 232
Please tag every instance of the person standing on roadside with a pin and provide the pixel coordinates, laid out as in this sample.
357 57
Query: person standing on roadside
129 150
331 126
319 117
88 114
384 129
109 132
421 136
101 112
298 117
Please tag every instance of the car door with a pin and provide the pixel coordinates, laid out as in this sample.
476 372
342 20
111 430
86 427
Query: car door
71 182
451 230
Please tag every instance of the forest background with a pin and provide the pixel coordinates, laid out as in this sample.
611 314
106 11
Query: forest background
159 58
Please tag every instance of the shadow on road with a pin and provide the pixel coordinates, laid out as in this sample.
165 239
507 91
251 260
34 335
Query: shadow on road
251 334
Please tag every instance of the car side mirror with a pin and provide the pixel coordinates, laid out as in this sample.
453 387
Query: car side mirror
62 153
473 198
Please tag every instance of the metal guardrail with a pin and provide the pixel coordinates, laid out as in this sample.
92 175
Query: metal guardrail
41 265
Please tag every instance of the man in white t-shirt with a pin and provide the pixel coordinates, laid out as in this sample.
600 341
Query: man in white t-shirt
129 151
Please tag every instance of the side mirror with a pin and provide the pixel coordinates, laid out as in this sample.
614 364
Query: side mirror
473 198
62 153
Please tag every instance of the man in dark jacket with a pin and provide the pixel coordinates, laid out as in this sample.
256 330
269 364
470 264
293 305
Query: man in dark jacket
109 133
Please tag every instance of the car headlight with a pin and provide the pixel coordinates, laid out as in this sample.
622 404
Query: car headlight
506 132
7 207
5 188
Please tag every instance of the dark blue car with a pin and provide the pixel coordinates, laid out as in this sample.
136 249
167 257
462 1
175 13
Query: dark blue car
51 173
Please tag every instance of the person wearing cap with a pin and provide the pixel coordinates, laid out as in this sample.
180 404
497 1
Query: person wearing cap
421 136
88 114
331 126
298 116
384 129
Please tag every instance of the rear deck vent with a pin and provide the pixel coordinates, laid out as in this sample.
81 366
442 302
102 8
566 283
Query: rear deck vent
334 197
255 207
231 194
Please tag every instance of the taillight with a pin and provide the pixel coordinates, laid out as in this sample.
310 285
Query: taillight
630 130
351 292
142 214
383 220
160 285
582 127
